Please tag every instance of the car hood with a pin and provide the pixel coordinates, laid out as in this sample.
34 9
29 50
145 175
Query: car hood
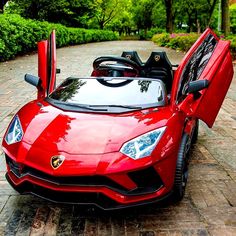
50 128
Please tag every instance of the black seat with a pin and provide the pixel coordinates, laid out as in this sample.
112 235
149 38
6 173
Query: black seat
133 56
158 66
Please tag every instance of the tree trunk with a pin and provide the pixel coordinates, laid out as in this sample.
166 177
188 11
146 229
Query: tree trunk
225 17
169 15
101 24
198 27
190 21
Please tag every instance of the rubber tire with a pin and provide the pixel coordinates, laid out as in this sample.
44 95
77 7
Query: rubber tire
181 173
195 132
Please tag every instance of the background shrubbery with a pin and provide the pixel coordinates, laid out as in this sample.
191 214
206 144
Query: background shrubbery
184 41
232 38
181 41
19 36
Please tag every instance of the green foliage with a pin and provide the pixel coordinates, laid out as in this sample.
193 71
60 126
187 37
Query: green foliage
232 38
182 42
2 46
196 15
159 15
232 11
107 10
124 16
161 39
123 23
150 33
68 12
143 13
19 36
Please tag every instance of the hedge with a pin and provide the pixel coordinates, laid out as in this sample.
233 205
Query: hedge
232 38
181 41
184 41
20 36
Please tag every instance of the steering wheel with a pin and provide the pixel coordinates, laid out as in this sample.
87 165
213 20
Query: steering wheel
122 65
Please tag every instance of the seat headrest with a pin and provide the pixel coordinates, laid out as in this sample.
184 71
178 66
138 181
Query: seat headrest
158 59
133 56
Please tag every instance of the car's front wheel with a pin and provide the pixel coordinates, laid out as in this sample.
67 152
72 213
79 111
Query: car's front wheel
181 173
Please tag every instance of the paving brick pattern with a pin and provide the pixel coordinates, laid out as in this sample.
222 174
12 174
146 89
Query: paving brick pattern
209 207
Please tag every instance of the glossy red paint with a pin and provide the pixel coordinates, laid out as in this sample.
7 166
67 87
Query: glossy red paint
182 65
91 142
47 65
220 77
74 135
122 199
63 133
219 73
42 67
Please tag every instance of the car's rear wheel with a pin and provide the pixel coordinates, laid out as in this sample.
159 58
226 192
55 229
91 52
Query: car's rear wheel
181 173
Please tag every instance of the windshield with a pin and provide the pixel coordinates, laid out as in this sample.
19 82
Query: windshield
103 93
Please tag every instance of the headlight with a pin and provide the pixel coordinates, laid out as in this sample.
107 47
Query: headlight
143 145
14 133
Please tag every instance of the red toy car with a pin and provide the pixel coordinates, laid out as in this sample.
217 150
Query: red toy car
122 137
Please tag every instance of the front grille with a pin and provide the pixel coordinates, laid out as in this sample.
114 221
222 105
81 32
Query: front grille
95 199
98 199
95 180
147 180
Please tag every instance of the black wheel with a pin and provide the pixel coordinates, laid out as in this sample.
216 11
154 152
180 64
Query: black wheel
181 173
195 133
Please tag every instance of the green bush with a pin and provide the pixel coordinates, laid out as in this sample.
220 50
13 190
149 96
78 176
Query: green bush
181 41
2 46
233 46
161 39
19 36
184 41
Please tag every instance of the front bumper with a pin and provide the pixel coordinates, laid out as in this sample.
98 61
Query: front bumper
96 199
101 191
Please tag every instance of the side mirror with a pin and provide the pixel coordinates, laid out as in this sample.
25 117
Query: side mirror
198 85
33 80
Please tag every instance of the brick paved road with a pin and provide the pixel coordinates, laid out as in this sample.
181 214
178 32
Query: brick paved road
209 207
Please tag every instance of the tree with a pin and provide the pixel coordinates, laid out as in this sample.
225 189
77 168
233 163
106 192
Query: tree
143 13
124 16
123 23
71 12
169 15
197 14
225 17
159 15
107 10
211 6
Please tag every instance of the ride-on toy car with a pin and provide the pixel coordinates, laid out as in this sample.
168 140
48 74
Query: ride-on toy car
121 137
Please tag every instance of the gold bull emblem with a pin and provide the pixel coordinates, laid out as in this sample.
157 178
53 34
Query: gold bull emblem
56 161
